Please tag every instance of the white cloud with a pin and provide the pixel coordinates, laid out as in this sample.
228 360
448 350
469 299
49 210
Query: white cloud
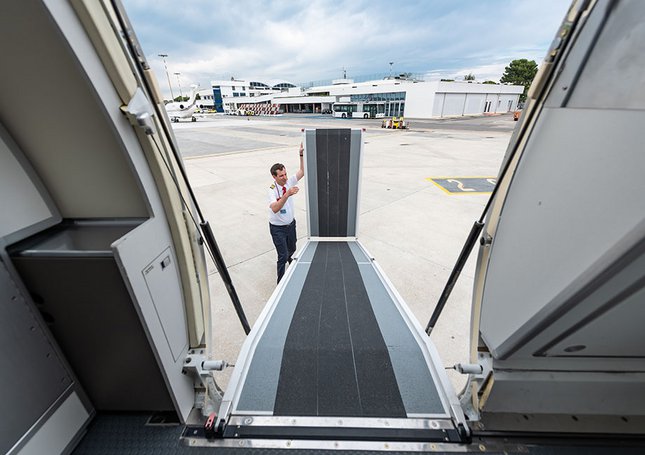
312 40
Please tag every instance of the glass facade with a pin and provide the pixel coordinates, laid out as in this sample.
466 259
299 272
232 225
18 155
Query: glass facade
217 99
257 85
284 86
391 96
392 104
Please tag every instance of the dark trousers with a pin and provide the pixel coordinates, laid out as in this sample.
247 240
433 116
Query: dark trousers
284 239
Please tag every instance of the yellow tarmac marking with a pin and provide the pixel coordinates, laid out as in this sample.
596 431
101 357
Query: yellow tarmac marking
465 185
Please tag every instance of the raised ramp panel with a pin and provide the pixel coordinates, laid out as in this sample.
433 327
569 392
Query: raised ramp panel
332 166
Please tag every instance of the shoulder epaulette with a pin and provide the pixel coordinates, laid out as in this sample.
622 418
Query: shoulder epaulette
272 186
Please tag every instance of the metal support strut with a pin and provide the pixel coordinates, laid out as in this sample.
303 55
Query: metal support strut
454 275
223 271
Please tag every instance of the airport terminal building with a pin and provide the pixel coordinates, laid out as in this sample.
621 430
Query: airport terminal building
396 96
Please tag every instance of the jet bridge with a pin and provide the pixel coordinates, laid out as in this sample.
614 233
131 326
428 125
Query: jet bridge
336 354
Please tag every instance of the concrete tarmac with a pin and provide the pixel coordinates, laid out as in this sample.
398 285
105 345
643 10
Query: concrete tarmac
413 228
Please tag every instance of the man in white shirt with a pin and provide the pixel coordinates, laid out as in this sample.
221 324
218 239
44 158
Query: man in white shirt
282 223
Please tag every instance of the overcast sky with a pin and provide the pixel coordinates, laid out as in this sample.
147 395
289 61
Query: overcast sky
313 40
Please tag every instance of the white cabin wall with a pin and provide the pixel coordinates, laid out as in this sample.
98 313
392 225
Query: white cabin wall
58 117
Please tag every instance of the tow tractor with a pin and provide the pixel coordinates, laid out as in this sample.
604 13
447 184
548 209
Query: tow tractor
395 123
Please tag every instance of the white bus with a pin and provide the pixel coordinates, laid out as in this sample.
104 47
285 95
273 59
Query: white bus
359 109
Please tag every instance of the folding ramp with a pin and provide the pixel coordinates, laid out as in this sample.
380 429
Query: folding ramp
336 354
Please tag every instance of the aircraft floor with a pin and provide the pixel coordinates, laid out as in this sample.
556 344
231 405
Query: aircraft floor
127 433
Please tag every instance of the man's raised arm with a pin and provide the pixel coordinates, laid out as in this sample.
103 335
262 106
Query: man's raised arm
300 173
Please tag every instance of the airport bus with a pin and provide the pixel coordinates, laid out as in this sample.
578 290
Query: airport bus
359 109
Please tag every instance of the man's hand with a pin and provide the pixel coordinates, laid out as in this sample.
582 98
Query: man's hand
300 173
277 205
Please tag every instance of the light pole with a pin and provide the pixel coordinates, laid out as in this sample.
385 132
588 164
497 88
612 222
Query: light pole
163 56
391 63
179 84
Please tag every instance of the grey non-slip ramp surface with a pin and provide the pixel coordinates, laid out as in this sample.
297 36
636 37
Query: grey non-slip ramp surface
337 345
335 360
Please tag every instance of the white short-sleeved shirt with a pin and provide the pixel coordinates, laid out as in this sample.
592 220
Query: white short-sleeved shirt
285 216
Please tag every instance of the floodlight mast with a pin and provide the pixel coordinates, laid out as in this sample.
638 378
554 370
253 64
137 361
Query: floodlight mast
163 56
179 84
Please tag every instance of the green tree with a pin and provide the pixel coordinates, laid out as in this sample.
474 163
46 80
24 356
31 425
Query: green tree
469 77
520 72
489 82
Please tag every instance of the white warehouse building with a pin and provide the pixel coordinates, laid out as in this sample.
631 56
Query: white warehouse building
380 98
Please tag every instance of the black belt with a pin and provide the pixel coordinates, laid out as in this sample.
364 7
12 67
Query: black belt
283 225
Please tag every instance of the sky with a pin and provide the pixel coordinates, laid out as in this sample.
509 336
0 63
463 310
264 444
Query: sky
316 40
